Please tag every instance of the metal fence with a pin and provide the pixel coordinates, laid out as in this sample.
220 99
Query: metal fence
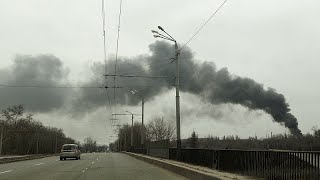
159 148
263 164
268 164
156 148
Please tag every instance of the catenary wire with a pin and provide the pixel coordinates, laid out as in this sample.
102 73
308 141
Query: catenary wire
214 13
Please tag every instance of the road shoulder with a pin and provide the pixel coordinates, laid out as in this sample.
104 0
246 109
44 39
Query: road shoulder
10 159
188 170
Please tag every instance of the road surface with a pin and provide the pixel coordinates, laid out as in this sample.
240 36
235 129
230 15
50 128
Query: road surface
91 166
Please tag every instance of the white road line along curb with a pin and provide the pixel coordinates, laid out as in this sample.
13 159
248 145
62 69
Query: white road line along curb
38 164
5 171
84 170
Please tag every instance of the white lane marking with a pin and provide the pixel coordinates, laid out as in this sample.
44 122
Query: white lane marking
92 162
38 164
84 170
5 171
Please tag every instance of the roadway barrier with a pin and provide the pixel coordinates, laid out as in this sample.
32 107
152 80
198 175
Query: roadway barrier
270 164
155 149
23 158
267 164
187 170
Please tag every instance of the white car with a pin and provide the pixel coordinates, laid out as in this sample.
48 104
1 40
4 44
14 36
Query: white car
70 151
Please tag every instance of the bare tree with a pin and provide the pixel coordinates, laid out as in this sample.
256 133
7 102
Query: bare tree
159 129
90 144
23 135
193 140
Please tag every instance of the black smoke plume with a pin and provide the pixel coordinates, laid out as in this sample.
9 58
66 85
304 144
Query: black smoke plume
42 70
213 85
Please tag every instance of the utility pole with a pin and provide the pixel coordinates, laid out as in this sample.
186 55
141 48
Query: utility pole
1 138
168 37
177 100
131 130
125 140
56 149
38 143
131 143
142 124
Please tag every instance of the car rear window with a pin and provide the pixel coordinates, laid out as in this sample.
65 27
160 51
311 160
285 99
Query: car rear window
69 147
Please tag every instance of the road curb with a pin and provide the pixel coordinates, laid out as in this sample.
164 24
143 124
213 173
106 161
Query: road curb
24 158
181 170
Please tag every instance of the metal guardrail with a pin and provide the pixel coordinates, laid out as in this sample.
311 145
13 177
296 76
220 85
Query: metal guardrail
23 158
139 151
266 164
263 164
156 148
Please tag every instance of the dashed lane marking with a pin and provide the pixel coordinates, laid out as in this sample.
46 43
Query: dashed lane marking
84 170
5 171
38 164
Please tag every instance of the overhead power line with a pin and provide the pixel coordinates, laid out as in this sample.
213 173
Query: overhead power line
147 65
57 87
105 49
158 68
116 60
137 76
108 98
80 87
214 13
104 36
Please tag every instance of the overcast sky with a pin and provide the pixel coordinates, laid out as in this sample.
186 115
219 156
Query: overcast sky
276 43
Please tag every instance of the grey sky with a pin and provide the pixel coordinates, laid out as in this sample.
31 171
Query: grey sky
276 43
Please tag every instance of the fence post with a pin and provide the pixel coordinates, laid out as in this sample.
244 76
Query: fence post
1 139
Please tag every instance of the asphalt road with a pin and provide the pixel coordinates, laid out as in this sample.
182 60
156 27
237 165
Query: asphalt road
92 166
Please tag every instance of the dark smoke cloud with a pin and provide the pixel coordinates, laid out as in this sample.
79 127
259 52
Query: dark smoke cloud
42 70
216 86
203 79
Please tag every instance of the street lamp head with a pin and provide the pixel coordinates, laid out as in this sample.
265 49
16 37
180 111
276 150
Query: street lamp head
128 112
159 27
153 31
134 91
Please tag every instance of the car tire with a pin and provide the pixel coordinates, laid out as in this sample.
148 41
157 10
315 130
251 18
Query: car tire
65 158
61 158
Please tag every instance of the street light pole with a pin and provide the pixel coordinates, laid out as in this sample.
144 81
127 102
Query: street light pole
142 121
131 130
1 138
177 83
177 100
131 143
142 126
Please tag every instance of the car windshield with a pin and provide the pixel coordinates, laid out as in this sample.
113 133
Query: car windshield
68 147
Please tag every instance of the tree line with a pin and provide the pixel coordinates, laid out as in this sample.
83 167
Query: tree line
306 142
21 134
155 130
90 145
158 129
